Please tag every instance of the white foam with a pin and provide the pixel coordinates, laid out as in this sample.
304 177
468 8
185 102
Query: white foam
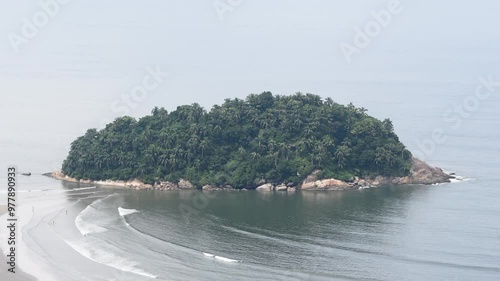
220 258
83 188
459 179
53 190
125 212
101 256
83 220
225 259
83 223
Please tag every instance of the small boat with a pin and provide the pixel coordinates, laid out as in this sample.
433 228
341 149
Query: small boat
26 174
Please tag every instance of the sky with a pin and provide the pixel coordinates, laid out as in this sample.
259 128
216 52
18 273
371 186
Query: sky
87 57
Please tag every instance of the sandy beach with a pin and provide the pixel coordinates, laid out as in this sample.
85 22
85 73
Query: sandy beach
4 274
47 236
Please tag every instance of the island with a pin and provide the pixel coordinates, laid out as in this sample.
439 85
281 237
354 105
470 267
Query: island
264 142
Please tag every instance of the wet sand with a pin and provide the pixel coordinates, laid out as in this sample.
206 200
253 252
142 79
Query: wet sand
44 236
6 275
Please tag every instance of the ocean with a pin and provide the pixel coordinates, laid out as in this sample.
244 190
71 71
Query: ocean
74 74
442 232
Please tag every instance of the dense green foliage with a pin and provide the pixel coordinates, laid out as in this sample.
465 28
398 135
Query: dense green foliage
276 138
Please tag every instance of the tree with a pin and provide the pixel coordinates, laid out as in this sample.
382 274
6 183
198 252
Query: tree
278 138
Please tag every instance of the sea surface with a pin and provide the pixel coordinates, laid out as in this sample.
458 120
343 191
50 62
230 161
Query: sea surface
417 72
446 232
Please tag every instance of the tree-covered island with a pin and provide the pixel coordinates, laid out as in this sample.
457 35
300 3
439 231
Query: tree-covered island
243 143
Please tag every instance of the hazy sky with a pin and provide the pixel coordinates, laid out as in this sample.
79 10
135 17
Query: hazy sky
82 61
284 46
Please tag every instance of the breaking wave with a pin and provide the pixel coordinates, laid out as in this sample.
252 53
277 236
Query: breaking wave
125 212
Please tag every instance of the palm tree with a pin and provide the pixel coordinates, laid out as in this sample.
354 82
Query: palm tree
202 146
254 155
241 150
164 159
173 162
197 164
341 156
298 122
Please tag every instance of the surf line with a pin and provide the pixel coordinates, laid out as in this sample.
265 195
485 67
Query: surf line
220 258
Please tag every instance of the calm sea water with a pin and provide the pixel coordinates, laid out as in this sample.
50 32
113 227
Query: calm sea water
68 78
444 232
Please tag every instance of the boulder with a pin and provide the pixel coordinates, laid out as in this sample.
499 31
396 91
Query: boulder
265 187
169 185
209 187
184 184
422 173
312 177
331 184
281 188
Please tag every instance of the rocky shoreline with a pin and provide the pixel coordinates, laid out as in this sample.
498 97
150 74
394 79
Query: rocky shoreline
421 173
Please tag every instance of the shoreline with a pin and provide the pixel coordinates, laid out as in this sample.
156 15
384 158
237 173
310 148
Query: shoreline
19 275
421 174
46 240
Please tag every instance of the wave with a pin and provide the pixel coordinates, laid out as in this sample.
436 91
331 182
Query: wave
83 223
458 179
82 188
53 190
125 212
84 218
254 235
219 258
225 259
108 258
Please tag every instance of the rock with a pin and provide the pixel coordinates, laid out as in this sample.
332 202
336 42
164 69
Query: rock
422 173
169 185
265 187
244 189
281 188
292 189
311 182
261 182
291 184
362 183
312 177
209 187
324 184
184 184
